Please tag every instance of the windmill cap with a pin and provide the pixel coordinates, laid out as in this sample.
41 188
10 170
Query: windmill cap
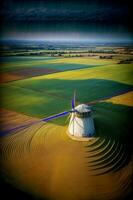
82 108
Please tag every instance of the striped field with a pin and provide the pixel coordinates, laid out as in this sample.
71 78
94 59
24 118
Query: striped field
42 159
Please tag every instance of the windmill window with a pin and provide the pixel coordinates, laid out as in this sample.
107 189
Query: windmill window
83 114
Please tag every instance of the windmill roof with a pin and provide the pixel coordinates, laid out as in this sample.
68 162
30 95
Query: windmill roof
83 108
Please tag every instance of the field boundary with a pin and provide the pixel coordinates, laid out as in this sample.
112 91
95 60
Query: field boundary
124 91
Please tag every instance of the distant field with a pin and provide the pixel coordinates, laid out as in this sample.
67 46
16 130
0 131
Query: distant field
14 59
17 63
48 94
16 68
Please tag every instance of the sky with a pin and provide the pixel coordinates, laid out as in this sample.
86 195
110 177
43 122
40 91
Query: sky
60 20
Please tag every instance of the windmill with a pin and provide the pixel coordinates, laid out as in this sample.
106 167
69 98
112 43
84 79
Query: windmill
81 123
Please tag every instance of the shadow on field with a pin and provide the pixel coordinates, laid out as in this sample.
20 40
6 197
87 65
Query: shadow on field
39 98
113 148
86 90
10 192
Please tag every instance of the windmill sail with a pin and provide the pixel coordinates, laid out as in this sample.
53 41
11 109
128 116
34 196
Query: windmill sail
5 132
81 122
73 100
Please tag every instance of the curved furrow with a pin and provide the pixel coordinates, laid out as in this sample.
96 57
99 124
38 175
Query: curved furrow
102 151
123 160
7 147
31 145
35 129
29 135
108 162
107 154
100 145
26 136
37 140
95 143
91 142
20 143
49 131
8 143
3 146
16 143
42 137
18 146
22 140
114 165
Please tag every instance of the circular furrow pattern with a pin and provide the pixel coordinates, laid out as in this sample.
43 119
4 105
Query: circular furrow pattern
34 134
37 142
33 138
9 145
113 165
107 161
106 155
102 142
18 143
101 151
94 142
122 159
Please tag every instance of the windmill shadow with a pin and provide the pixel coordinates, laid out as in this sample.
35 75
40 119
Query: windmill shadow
112 149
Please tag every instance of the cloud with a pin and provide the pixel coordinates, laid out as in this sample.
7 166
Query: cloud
94 14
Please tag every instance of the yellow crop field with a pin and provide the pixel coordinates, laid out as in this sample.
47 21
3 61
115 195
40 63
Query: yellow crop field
82 60
42 159
53 166
124 99
110 72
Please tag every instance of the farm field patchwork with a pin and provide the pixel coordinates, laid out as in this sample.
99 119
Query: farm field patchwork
90 84
45 148
19 68
25 73
54 63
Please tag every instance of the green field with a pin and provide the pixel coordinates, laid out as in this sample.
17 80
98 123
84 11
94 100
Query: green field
54 158
11 64
45 95
48 94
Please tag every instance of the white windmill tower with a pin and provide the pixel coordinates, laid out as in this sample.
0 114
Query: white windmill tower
81 125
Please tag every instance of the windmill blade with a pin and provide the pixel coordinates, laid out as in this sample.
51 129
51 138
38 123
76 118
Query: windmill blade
73 100
56 116
73 122
68 118
5 132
